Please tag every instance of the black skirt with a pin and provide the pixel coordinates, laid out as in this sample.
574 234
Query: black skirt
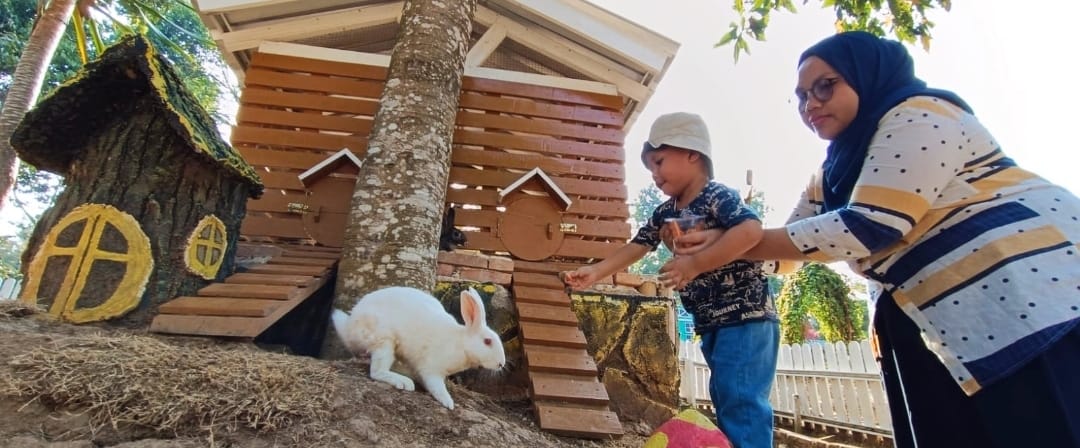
1037 406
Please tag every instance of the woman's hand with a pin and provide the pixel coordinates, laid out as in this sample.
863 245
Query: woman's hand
694 242
679 271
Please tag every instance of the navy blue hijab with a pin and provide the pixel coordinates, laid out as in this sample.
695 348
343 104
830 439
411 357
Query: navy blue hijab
883 75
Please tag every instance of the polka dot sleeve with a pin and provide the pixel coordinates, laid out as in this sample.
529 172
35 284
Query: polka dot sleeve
917 151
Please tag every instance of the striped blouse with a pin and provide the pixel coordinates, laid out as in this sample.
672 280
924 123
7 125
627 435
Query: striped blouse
981 254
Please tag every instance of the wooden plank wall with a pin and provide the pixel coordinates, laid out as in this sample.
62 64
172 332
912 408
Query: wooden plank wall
296 111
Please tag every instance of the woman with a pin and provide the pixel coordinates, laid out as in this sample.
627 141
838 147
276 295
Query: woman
974 261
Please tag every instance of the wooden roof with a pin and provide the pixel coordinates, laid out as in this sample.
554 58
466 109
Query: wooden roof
566 39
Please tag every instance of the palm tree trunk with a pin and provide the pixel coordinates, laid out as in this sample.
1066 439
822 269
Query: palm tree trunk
26 83
393 229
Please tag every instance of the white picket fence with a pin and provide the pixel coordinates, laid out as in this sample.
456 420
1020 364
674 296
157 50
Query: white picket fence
9 288
834 386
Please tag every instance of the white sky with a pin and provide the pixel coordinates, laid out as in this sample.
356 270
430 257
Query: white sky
1008 63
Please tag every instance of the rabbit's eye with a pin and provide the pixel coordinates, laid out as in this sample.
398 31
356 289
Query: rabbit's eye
487 342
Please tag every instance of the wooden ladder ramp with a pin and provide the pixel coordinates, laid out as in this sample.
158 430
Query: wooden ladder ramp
567 395
249 302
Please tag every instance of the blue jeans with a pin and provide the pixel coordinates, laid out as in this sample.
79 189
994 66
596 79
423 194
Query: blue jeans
742 361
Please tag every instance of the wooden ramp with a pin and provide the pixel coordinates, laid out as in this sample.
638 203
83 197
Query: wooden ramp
248 303
566 392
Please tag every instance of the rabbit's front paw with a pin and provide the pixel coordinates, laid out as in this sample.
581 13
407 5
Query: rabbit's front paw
405 383
445 400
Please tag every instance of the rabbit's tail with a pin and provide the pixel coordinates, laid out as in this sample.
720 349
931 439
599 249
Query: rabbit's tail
340 319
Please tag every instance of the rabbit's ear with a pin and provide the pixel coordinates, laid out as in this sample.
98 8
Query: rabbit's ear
448 217
472 310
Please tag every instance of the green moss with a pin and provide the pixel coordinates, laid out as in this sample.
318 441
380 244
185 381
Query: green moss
52 134
606 318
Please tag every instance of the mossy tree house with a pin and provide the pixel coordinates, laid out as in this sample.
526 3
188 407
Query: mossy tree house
153 197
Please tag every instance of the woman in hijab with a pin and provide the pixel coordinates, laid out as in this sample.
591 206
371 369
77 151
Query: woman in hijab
974 262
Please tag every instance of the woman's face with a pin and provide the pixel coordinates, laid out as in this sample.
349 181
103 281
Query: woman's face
827 104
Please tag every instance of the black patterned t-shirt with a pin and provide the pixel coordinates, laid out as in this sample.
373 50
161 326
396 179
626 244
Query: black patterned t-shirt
733 294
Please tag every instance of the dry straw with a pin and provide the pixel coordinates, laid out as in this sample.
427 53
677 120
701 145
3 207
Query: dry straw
141 381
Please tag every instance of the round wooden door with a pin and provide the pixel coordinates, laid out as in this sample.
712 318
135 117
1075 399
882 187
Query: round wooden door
530 228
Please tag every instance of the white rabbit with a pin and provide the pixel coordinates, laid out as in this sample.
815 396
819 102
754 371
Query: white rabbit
413 326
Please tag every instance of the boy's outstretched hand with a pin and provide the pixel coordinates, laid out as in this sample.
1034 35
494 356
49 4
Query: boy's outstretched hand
580 278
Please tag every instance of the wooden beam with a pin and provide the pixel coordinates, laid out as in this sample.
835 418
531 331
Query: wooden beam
637 46
486 45
566 52
309 26
355 57
216 6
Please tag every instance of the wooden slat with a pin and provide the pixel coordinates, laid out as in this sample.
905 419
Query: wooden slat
554 335
300 160
540 92
544 267
570 361
587 249
282 138
542 296
247 278
607 209
302 253
324 262
229 326
234 290
548 281
311 248
547 314
279 227
261 116
313 83
570 248
576 421
519 106
255 95
314 271
492 178
219 306
318 66
568 388
538 126
287 180
275 200
551 165
540 144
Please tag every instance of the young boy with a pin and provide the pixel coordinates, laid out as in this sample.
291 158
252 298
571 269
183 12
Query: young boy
728 298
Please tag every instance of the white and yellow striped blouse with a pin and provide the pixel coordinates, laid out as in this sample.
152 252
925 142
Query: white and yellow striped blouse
981 254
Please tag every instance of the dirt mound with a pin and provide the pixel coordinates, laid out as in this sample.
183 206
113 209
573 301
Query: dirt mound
71 386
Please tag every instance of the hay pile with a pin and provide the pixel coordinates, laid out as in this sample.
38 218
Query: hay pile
135 380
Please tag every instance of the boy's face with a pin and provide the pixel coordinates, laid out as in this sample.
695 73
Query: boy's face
673 169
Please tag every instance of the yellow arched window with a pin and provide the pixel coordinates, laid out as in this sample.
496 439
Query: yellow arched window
92 238
206 248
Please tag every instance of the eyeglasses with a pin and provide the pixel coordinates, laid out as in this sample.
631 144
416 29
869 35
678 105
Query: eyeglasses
822 90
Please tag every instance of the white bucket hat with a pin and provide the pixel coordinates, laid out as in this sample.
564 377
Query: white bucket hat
682 130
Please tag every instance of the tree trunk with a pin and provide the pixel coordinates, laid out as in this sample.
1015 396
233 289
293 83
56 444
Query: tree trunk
26 83
393 228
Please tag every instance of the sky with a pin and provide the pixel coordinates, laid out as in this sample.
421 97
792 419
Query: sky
1006 63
